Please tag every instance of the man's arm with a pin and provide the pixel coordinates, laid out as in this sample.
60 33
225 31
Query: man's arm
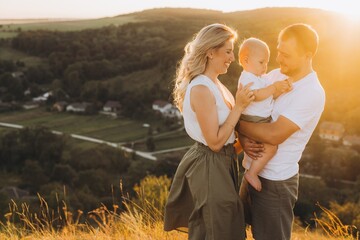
252 148
273 133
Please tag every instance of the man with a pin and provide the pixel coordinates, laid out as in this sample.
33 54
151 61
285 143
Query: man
294 118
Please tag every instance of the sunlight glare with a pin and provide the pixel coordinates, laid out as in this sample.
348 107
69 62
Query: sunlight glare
352 14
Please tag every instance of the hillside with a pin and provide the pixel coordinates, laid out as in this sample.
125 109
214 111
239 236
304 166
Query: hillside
148 44
63 25
141 219
132 59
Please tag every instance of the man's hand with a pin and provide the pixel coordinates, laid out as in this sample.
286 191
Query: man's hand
251 147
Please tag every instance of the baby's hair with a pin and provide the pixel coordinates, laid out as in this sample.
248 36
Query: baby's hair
249 45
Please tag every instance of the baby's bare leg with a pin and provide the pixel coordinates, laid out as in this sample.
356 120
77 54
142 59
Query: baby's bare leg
257 165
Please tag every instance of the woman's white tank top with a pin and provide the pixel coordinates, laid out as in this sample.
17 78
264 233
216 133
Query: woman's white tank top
191 123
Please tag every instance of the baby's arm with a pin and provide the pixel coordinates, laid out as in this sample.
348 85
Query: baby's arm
282 87
275 90
263 93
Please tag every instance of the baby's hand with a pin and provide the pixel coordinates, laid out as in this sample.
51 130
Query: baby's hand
283 86
289 83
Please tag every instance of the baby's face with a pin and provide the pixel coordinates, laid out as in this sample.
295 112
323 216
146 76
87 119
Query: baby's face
258 61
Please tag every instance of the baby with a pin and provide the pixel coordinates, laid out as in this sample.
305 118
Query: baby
254 56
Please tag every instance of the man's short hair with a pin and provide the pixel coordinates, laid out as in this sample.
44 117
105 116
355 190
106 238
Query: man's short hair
306 37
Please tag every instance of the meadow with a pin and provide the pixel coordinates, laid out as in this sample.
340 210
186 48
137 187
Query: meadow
141 219
11 54
97 126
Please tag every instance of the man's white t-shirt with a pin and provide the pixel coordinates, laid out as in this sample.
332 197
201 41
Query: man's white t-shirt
261 108
303 105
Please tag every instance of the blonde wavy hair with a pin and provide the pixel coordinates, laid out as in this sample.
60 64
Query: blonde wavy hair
195 58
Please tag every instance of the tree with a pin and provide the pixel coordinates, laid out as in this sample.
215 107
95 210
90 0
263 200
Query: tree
151 196
64 173
97 180
311 192
33 175
73 83
353 167
39 75
335 167
150 144
101 157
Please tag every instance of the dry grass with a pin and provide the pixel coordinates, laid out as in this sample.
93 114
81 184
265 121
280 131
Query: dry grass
334 228
142 219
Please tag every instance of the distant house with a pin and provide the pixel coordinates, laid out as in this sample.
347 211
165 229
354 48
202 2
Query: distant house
331 131
161 106
351 140
27 92
43 97
166 109
173 112
17 74
60 106
30 105
83 107
112 106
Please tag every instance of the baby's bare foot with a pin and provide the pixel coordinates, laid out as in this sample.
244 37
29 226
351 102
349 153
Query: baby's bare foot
253 180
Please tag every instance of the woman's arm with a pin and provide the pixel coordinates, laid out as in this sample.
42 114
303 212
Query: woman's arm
204 105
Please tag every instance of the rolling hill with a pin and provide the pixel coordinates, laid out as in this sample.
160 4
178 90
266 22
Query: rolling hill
159 35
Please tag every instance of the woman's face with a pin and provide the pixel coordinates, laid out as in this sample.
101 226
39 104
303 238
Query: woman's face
222 57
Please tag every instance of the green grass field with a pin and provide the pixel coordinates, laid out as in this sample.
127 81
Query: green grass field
167 142
174 141
6 35
13 55
92 126
96 126
3 130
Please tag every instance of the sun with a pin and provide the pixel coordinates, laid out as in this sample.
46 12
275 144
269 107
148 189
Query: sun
351 13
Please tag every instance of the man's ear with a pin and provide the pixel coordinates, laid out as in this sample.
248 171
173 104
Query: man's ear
309 55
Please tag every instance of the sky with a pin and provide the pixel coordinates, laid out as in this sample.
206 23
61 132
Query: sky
27 9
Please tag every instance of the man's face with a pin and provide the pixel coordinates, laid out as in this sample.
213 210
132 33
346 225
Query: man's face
290 57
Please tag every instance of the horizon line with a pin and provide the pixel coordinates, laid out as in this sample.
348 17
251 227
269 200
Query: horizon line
157 8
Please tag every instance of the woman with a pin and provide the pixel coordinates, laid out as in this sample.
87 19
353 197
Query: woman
204 193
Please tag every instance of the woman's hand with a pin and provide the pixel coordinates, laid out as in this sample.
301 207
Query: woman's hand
244 96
